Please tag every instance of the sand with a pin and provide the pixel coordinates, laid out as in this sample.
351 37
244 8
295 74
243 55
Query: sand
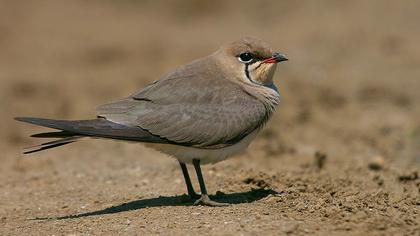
341 156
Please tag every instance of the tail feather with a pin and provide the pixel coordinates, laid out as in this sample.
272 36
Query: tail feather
57 134
52 144
70 131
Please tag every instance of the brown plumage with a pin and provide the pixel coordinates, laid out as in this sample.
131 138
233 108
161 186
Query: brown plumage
202 112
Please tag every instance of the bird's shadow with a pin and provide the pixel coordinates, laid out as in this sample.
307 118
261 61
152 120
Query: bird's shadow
180 200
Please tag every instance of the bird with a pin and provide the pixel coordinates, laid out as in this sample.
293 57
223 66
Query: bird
201 113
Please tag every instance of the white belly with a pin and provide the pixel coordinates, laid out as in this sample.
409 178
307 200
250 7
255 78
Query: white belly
206 156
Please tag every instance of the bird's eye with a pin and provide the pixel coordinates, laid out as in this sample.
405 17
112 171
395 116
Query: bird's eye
245 57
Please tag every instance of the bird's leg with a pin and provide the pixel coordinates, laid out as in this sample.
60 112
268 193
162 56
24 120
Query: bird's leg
204 199
190 188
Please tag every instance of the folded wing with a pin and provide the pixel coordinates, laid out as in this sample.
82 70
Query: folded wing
195 110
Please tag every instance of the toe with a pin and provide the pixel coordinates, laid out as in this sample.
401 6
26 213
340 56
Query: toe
205 201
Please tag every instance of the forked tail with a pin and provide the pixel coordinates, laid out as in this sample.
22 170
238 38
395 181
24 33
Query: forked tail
72 130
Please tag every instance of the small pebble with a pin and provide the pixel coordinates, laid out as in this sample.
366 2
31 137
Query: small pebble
376 163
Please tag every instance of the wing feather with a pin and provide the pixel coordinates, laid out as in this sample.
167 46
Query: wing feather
201 110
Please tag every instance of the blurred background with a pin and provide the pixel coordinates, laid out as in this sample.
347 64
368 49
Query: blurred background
350 91
352 82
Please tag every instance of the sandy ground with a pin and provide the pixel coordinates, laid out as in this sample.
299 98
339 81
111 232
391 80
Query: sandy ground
341 156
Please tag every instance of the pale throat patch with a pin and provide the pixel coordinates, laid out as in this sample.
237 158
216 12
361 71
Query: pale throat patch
260 73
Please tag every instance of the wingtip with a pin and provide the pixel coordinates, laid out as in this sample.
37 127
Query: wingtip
20 118
25 119
30 120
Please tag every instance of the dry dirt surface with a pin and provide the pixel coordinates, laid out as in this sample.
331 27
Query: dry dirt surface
341 156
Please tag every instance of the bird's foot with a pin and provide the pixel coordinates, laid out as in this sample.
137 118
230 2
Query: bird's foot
206 201
193 196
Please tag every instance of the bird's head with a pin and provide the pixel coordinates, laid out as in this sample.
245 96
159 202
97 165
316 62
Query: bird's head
250 60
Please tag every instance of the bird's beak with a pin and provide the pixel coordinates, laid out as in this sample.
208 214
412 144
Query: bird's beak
277 57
